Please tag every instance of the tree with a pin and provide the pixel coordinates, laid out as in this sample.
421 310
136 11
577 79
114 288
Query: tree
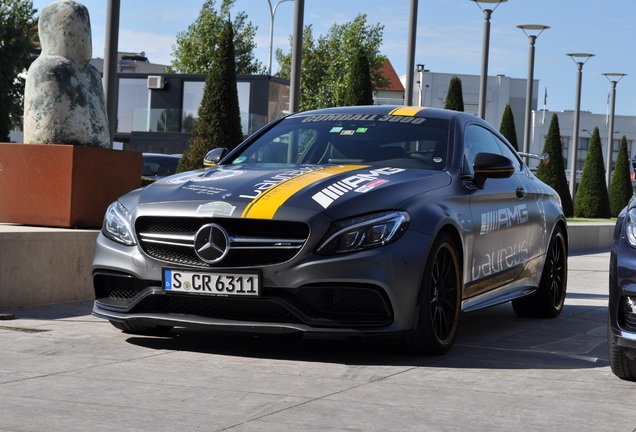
17 37
507 127
552 169
359 90
327 62
621 185
219 120
195 47
454 97
592 199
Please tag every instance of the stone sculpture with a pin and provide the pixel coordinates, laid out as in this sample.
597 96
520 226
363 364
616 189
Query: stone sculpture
64 98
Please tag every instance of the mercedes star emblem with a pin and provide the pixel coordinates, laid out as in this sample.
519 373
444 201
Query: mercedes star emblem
211 243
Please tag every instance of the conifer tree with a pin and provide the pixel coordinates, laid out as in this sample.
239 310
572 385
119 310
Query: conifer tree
359 89
592 199
219 120
507 127
621 185
455 97
552 169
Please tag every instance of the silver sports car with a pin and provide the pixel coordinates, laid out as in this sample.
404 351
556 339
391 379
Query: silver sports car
345 221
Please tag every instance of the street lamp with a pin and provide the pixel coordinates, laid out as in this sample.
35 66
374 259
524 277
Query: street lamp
419 68
484 55
580 59
532 31
613 78
272 13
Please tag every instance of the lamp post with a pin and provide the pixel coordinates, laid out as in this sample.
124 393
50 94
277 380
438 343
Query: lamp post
532 31
272 13
613 78
410 53
419 68
484 54
580 59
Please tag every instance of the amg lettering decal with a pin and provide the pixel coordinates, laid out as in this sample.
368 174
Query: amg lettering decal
359 183
503 218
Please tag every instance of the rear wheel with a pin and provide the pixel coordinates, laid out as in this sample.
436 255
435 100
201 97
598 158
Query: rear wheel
549 299
622 366
439 306
141 329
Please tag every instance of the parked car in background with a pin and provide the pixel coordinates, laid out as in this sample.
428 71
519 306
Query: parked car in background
621 329
348 221
157 166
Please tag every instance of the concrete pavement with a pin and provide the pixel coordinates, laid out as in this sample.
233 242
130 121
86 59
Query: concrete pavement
63 370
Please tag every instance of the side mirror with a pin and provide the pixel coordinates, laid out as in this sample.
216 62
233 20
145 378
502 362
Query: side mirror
214 156
490 165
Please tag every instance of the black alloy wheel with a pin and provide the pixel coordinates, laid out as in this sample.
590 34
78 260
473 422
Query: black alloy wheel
549 299
439 307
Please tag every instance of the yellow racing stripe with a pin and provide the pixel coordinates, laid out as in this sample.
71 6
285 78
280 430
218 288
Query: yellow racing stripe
267 203
407 111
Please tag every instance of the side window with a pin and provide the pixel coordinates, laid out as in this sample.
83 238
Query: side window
509 153
478 140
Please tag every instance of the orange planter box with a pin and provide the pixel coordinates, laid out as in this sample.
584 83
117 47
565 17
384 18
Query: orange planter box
63 185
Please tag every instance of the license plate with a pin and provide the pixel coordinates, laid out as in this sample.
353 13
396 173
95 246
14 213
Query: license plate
209 283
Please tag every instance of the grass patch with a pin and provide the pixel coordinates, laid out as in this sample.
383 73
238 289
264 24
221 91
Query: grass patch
578 219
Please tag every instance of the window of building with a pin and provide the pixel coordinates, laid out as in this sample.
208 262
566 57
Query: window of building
192 95
133 96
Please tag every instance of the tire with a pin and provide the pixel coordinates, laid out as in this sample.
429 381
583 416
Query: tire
548 300
439 302
141 329
622 366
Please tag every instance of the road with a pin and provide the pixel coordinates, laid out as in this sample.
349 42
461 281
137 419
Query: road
63 370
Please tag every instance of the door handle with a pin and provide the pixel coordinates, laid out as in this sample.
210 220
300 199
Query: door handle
521 192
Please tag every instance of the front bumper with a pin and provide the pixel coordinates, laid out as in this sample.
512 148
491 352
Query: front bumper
622 294
372 292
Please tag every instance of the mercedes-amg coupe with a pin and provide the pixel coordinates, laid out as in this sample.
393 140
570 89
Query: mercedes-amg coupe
347 221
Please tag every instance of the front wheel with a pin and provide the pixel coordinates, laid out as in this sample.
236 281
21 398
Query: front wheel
549 299
623 366
439 303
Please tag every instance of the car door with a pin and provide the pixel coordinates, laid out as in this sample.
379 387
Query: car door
501 218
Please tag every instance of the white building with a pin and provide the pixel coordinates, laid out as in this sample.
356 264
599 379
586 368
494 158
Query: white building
432 87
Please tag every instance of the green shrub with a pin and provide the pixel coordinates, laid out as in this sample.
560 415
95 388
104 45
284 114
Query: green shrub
219 120
592 199
454 97
359 89
620 190
552 169
507 127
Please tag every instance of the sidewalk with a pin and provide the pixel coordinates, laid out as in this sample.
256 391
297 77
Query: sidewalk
64 370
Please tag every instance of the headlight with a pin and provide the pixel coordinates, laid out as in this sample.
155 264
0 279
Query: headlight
364 232
117 224
630 227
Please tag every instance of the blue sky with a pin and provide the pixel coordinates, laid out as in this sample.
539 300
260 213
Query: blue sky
449 37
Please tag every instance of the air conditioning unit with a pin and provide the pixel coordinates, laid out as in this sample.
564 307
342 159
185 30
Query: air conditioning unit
156 82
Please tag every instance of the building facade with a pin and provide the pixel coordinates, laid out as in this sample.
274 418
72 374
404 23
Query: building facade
156 112
502 90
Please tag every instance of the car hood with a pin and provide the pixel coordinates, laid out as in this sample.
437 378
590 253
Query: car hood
289 192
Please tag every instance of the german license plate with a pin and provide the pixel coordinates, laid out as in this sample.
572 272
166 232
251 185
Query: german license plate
212 283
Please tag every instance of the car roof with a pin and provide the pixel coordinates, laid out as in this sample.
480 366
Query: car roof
385 110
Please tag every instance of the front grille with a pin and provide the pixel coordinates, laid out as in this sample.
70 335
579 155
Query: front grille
251 242
330 305
258 310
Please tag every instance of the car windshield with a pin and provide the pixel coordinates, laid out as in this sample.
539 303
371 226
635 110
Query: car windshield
323 139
